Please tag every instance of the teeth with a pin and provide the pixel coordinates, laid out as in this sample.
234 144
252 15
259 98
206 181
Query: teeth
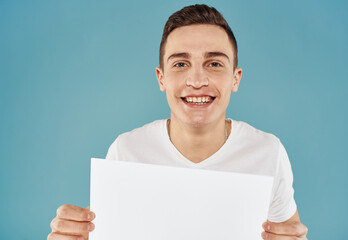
198 100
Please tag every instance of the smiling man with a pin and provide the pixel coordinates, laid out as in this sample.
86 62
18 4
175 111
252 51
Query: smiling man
199 71
198 74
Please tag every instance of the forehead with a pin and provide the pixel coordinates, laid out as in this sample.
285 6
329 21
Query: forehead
198 39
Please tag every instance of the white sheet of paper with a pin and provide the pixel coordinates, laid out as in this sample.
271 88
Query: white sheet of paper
136 201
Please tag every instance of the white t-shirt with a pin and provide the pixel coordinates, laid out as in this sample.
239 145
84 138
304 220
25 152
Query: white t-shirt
247 150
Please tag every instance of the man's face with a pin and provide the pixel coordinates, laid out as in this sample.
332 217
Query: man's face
198 75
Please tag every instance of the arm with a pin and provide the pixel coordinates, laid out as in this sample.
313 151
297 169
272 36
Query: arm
290 229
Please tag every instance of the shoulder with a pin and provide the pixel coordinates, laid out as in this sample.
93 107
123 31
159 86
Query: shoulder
140 138
253 135
152 129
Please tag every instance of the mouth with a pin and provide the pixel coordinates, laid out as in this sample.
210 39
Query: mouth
201 100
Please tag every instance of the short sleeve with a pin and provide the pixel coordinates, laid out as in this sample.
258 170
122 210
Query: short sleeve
283 205
112 152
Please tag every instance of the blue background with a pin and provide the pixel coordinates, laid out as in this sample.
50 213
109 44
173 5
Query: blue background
75 74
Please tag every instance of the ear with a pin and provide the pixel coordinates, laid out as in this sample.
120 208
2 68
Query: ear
236 79
160 79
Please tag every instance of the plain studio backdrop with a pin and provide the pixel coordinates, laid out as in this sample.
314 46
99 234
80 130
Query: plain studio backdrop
75 74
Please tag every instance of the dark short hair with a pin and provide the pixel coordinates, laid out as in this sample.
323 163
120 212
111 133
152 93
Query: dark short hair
197 14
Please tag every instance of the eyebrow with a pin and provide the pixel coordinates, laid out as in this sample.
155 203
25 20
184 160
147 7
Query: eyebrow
215 54
206 55
179 55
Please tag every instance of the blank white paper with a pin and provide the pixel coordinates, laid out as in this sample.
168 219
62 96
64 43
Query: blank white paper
136 201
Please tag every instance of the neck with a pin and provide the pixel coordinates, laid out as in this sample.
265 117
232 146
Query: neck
197 143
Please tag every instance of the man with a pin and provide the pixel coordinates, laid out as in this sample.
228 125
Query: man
198 71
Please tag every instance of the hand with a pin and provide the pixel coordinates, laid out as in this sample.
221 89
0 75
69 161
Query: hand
71 223
284 231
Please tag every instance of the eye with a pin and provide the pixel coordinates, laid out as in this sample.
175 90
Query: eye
180 64
215 64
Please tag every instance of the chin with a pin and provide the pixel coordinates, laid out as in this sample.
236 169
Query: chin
198 121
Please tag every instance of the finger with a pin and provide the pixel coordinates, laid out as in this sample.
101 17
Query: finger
59 236
67 226
290 229
75 213
272 236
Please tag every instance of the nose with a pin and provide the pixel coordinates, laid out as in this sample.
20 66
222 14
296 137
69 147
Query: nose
197 78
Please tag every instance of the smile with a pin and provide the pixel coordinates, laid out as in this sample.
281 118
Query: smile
198 100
